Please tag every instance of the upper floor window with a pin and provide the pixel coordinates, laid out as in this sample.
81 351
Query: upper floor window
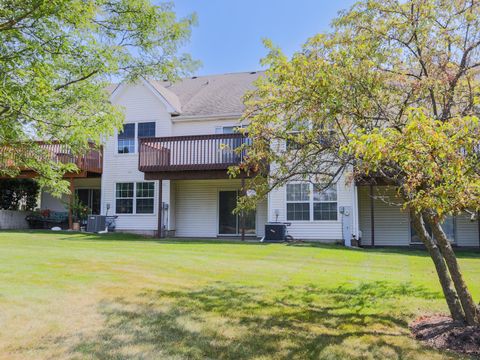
230 129
306 201
126 138
146 129
292 140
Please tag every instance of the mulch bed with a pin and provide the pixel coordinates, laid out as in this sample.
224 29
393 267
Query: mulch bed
442 333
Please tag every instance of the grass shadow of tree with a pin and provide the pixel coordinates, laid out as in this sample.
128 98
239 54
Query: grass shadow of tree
233 322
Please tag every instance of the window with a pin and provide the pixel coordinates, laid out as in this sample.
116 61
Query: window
135 198
124 198
325 203
145 196
229 129
308 202
292 142
298 201
448 226
126 138
146 129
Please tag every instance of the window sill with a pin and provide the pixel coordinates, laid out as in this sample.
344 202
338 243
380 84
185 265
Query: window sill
125 154
135 214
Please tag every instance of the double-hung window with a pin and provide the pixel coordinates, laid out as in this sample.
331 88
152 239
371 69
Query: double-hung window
127 137
124 198
145 196
298 201
325 202
135 198
306 202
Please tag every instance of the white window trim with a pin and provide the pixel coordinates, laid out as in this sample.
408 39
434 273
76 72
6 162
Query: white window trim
135 144
134 198
311 202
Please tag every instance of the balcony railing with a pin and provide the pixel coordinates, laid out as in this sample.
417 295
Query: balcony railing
186 153
91 161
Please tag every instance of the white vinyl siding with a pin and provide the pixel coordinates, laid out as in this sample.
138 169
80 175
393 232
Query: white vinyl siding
139 105
196 207
467 231
200 127
392 225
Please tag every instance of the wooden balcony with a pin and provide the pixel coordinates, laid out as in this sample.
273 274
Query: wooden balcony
190 157
89 164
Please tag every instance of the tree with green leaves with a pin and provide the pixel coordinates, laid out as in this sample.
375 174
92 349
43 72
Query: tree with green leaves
57 59
389 96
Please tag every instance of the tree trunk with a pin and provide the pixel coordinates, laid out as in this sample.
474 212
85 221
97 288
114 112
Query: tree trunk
469 307
449 292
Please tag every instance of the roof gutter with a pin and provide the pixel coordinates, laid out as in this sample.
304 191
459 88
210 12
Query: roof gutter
187 118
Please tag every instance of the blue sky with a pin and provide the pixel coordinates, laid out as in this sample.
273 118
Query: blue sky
229 35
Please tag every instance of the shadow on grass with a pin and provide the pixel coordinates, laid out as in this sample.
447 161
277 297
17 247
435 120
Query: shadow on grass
414 251
232 322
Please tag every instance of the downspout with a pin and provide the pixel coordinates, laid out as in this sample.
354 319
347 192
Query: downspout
356 213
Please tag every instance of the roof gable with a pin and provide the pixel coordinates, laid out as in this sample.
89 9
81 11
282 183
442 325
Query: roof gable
169 99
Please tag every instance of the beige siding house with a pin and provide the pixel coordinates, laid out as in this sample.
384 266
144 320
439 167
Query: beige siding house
166 173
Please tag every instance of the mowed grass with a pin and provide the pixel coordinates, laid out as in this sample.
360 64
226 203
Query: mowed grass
117 296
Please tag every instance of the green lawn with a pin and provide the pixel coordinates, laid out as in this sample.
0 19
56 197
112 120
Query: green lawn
122 297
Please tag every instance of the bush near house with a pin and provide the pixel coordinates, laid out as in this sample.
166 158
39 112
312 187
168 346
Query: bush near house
15 193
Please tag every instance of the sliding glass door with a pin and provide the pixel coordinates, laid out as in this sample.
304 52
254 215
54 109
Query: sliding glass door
230 223
90 198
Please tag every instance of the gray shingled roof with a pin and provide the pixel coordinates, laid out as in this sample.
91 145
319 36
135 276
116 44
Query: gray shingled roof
211 95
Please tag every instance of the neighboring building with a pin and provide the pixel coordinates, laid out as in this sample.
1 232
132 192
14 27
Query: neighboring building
172 152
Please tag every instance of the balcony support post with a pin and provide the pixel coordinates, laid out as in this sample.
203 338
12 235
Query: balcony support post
160 210
70 212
